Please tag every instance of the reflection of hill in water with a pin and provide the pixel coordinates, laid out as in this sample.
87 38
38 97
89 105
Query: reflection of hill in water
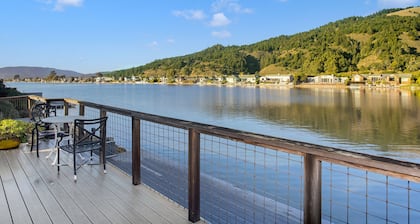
386 118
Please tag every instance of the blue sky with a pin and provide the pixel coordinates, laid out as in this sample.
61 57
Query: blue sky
90 36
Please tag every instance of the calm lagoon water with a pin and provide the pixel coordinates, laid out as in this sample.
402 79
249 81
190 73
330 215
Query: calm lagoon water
384 122
380 122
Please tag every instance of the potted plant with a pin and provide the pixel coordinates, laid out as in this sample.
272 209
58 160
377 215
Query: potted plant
13 132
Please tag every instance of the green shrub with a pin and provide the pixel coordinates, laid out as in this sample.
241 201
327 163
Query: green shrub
7 110
14 129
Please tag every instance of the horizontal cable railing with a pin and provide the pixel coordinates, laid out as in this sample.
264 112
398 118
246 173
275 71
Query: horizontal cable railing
230 176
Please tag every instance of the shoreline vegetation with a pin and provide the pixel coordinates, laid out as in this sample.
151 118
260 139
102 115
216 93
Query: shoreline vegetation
414 87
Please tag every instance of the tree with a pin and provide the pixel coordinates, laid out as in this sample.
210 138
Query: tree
52 76
336 47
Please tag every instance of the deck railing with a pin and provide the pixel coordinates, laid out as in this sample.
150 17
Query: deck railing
225 175
14 106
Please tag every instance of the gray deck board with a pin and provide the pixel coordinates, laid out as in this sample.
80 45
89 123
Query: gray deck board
15 201
29 195
4 207
49 202
32 191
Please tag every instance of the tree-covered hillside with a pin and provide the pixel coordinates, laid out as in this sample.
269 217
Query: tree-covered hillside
388 41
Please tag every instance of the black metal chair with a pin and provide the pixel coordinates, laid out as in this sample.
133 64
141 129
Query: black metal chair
42 130
89 135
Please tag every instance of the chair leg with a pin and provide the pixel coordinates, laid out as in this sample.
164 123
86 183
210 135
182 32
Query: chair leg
32 139
74 165
104 161
37 145
33 134
58 160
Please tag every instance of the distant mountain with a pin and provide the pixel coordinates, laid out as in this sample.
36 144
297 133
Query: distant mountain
33 72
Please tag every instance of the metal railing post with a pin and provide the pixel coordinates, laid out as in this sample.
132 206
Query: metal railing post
135 152
102 113
313 188
193 175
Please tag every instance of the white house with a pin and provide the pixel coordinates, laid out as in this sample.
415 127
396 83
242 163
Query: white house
358 78
281 79
248 78
326 79
232 79
405 78
104 79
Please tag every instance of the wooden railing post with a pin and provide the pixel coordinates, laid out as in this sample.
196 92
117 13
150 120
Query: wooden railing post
135 152
81 109
193 175
313 188
102 113
29 103
66 108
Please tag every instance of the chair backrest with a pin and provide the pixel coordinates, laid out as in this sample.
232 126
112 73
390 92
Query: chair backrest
90 131
38 112
42 110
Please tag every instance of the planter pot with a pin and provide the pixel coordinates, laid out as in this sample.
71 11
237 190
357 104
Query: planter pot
9 144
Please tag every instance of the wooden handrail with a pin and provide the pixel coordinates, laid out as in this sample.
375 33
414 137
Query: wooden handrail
313 155
382 165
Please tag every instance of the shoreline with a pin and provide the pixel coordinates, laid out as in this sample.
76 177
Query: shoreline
261 85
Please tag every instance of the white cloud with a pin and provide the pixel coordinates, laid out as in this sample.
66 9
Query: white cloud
70 2
59 5
154 44
230 5
190 14
45 1
171 41
221 34
219 19
397 3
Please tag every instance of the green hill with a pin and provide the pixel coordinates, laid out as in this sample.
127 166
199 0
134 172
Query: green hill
387 41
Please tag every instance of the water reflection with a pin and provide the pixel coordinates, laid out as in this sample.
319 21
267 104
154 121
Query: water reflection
387 118
378 121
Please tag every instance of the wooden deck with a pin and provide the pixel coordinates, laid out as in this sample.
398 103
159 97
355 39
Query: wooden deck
31 191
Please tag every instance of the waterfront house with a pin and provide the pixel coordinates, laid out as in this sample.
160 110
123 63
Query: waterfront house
391 79
374 78
327 79
405 79
104 79
248 78
310 79
384 79
163 79
180 79
232 79
220 79
280 79
358 79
